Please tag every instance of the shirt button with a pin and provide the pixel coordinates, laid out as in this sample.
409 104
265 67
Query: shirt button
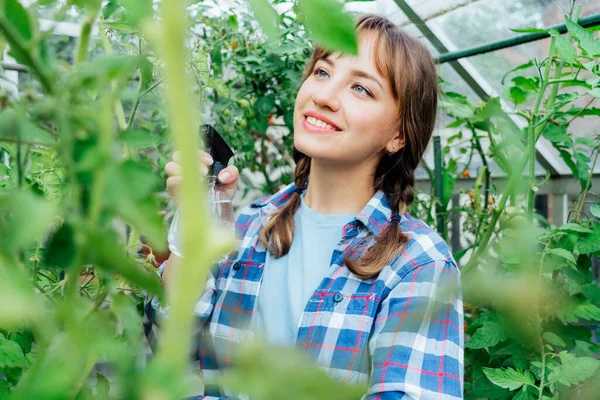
338 297
237 266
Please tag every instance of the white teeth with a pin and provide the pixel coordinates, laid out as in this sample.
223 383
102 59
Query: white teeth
320 124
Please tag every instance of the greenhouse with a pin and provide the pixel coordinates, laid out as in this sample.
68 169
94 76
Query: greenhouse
306 199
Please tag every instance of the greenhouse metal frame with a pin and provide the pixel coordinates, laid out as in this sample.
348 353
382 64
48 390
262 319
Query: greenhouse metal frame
418 14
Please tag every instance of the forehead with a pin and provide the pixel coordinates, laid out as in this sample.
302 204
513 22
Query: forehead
371 54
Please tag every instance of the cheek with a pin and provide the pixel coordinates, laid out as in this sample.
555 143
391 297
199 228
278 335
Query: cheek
303 95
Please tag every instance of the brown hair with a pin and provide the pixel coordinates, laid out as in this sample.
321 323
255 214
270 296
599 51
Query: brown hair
410 68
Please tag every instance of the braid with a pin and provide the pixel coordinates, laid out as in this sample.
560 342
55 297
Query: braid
278 232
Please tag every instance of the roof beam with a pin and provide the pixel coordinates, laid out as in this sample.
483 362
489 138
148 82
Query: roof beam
476 82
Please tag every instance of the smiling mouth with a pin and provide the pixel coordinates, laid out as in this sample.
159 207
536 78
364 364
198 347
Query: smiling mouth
317 124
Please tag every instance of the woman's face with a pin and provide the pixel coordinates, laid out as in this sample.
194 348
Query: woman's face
348 93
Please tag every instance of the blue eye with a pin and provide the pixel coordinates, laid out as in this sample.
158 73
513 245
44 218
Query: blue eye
318 71
364 90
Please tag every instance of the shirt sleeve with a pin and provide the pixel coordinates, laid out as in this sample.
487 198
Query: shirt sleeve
154 312
418 337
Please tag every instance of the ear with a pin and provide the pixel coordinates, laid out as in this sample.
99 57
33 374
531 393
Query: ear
395 144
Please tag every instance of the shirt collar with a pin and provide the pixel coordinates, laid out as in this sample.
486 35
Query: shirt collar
375 215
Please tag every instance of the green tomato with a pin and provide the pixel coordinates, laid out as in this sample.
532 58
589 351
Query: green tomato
244 123
226 113
244 103
251 115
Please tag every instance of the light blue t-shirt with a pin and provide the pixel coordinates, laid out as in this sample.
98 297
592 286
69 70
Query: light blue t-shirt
289 282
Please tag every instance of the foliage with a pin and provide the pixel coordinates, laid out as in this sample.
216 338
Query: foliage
83 146
82 149
532 300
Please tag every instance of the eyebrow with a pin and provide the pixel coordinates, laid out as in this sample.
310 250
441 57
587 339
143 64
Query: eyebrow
356 72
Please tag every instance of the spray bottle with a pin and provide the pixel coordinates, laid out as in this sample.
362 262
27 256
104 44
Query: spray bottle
220 205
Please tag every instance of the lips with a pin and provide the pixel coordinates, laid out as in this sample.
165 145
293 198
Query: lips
323 118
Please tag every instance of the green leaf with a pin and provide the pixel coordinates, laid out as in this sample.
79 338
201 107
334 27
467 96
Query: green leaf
564 254
4 388
129 317
146 73
457 106
528 64
103 69
575 280
329 25
573 227
219 86
584 37
19 18
556 133
554 339
106 253
586 141
527 83
595 210
102 387
265 104
573 369
529 30
24 340
16 289
110 8
61 248
15 125
130 188
488 335
267 18
138 139
565 48
11 355
121 26
518 95
508 378
592 292
27 217
588 245
576 309
284 373
137 10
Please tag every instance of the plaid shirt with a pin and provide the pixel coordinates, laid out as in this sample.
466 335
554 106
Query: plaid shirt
401 332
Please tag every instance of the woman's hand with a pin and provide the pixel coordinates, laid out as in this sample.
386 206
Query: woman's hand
228 177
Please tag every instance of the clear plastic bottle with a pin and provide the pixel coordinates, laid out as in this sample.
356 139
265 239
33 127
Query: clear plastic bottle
220 205
221 209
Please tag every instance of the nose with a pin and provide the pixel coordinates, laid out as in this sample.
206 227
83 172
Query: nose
326 95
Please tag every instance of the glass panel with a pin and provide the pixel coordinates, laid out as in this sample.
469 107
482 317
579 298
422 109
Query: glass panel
490 20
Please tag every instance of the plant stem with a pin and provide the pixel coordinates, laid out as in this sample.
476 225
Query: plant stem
104 145
587 186
139 99
118 105
532 133
31 60
543 373
83 42
188 279
516 173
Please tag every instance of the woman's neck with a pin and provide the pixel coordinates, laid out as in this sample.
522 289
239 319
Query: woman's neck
339 190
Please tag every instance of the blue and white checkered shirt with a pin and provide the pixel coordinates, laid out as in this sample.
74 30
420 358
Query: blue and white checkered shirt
400 332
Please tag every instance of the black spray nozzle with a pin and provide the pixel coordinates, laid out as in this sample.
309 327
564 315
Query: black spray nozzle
217 148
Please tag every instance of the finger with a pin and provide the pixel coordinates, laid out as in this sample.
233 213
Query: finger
173 169
173 184
229 175
205 158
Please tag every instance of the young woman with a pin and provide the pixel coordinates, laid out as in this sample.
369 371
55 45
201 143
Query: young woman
333 264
